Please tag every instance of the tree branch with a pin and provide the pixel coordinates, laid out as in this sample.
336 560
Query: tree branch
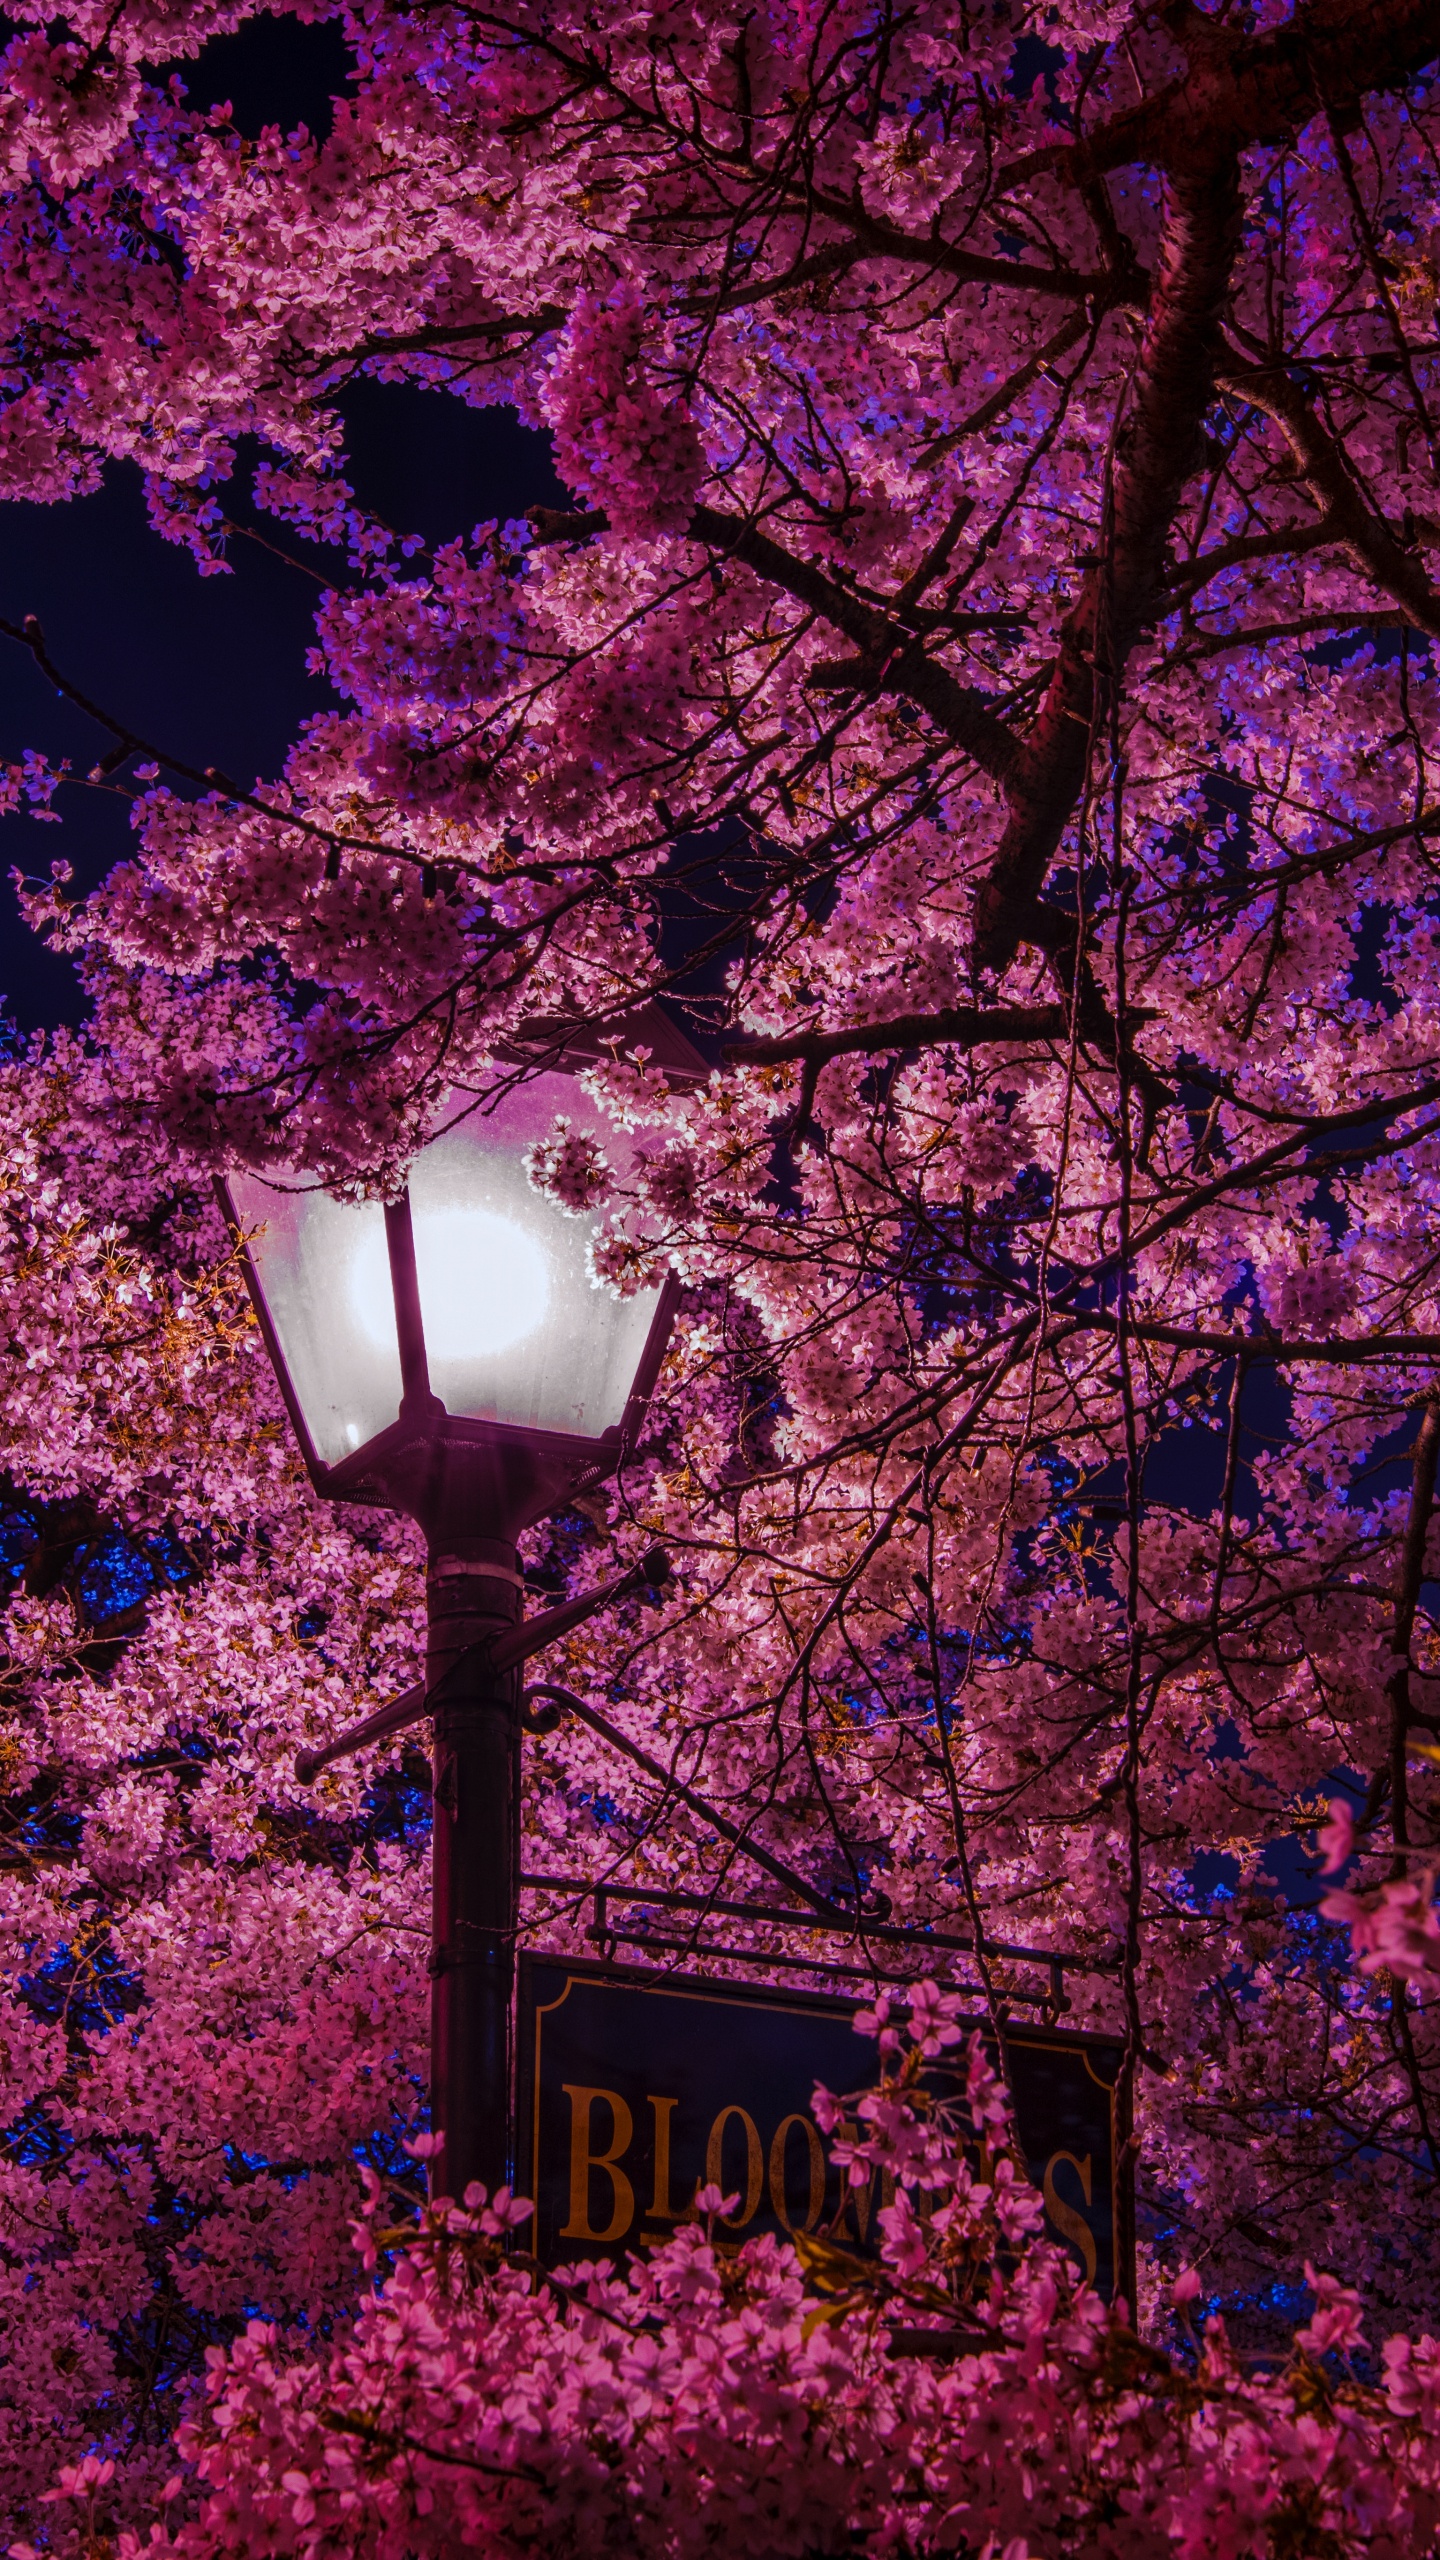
1425 1457
892 660
959 1026
1240 89
1350 520
1124 592
886 240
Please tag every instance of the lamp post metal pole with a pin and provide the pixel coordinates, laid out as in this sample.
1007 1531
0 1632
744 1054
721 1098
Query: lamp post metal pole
478 1639
473 1596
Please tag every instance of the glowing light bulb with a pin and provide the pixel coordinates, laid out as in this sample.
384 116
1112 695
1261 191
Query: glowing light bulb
484 1284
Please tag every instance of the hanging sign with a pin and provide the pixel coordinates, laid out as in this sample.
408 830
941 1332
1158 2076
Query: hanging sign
637 2088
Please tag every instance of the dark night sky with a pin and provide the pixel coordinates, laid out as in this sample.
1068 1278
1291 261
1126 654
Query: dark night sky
212 668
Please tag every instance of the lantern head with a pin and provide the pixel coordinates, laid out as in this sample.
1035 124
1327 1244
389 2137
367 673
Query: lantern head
452 1355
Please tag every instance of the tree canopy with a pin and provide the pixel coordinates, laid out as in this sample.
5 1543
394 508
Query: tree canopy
986 681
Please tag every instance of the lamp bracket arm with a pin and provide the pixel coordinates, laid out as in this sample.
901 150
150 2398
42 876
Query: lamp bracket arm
501 1656
533 1634
407 1709
709 1814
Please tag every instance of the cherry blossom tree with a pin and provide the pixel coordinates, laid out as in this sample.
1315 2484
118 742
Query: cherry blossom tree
213 2002
992 642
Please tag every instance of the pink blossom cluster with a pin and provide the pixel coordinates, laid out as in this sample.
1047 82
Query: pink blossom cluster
64 111
1394 1930
31 785
570 1167
618 440
709 2393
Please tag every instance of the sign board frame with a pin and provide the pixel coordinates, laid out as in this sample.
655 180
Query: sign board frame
624 2176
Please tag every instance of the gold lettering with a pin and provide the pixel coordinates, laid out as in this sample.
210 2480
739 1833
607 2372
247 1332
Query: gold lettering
1070 2224
777 2173
660 2204
862 2197
754 2163
583 2160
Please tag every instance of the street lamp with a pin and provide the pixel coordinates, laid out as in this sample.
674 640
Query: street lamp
449 1356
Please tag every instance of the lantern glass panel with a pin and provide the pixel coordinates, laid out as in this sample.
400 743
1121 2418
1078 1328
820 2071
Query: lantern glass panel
303 1245
516 1332
515 1329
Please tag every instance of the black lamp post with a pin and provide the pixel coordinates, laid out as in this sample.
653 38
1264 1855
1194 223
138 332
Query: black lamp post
450 1357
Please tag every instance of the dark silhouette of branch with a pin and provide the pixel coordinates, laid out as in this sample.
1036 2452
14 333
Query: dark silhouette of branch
958 1026
1123 593
1240 88
1350 521
891 658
